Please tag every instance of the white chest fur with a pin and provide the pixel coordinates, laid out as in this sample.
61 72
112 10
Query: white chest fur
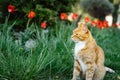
78 47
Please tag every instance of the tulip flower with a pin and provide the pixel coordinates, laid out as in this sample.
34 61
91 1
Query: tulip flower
31 14
87 19
11 8
93 23
63 16
74 16
44 24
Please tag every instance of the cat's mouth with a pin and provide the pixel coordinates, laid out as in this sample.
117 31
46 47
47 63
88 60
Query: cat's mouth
75 39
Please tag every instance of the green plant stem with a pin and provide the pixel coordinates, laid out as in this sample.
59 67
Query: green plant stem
28 23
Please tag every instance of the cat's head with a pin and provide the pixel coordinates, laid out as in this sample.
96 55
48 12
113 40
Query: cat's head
81 33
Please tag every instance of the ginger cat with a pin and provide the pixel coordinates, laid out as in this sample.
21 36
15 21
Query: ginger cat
88 56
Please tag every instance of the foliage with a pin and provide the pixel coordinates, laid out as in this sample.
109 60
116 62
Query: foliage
53 56
97 8
46 10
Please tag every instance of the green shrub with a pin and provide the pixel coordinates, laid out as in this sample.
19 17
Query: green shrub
46 10
97 8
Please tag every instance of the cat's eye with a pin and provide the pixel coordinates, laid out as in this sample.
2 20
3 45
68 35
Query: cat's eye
77 34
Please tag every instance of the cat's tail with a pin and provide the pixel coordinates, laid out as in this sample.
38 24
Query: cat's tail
109 70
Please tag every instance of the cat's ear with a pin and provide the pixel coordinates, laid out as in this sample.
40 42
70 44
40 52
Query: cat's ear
85 29
82 26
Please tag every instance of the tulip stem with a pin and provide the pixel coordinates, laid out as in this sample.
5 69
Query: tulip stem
28 23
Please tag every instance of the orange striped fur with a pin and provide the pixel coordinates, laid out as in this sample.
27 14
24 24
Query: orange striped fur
88 56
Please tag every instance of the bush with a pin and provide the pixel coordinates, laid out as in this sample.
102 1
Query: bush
45 10
97 8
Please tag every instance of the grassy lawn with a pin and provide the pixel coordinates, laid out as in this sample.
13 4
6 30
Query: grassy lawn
52 58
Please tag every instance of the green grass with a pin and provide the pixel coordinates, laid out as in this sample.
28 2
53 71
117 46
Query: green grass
52 58
108 39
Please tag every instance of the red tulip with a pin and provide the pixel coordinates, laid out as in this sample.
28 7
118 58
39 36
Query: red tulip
11 8
63 16
31 14
105 23
74 16
115 25
100 24
93 23
87 19
44 24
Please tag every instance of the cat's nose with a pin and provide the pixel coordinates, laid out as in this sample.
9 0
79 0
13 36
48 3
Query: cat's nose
72 37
